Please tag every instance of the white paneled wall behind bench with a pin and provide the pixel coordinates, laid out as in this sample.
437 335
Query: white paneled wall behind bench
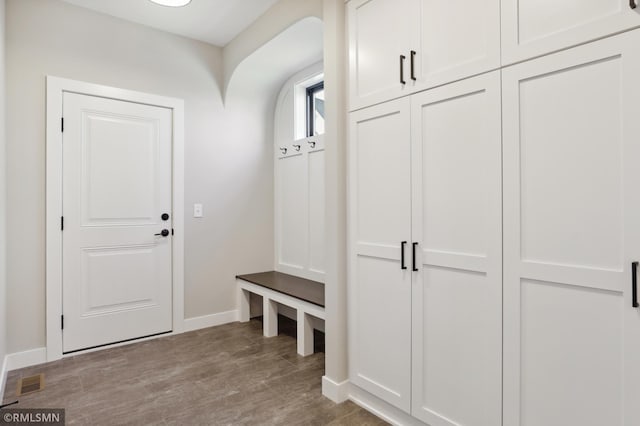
299 183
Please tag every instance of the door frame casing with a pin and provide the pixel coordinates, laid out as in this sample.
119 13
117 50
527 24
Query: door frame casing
56 87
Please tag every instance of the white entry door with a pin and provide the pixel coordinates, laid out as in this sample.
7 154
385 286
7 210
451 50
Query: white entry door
117 220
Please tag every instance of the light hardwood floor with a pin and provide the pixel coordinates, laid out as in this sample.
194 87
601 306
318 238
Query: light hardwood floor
226 375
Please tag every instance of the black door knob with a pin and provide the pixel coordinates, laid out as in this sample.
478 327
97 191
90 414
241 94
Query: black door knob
164 233
165 216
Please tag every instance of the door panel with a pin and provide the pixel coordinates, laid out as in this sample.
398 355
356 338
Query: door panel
116 185
572 141
380 218
116 278
128 142
533 27
379 32
457 290
556 382
457 39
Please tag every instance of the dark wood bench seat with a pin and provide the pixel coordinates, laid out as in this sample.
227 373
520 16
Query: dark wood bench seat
305 296
300 288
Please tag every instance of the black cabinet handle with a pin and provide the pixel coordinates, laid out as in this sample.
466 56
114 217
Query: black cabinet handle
402 58
413 64
402 265
632 4
634 285
414 269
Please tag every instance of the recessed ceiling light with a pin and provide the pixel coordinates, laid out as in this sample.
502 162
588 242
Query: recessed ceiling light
172 3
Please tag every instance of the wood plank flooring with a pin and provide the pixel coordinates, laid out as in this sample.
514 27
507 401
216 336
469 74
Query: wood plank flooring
226 375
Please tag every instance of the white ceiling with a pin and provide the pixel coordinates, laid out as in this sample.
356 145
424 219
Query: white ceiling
212 21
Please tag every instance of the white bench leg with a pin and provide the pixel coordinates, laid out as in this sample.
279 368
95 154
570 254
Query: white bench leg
305 334
269 317
244 303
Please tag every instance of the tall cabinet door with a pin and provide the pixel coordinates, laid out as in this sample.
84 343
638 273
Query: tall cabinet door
457 39
457 289
571 232
380 31
532 28
379 270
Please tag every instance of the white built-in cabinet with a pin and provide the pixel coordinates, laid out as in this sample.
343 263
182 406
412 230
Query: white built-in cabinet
494 220
571 232
426 261
300 200
398 47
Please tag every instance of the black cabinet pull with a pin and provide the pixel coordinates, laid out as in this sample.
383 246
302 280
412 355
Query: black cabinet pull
413 64
632 4
402 265
402 58
634 285
414 269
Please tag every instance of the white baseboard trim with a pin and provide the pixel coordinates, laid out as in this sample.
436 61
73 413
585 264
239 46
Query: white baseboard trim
382 409
336 392
191 324
3 376
26 359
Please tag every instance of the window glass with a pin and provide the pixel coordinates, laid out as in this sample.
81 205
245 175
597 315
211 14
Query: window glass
315 109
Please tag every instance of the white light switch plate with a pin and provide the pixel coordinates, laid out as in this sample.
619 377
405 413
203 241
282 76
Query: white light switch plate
197 210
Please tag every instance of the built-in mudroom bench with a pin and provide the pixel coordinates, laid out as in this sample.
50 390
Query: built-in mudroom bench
303 295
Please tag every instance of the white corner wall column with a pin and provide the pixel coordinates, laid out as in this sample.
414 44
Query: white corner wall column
334 383
56 87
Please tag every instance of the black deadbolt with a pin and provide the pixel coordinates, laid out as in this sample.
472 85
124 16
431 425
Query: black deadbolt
165 216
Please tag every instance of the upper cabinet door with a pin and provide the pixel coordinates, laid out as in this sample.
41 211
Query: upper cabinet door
535 27
381 32
457 39
398 47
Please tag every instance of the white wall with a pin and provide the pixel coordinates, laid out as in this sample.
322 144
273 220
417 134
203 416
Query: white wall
3 206
228 150
273 22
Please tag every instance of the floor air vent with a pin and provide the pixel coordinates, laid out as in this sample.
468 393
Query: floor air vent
30 384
